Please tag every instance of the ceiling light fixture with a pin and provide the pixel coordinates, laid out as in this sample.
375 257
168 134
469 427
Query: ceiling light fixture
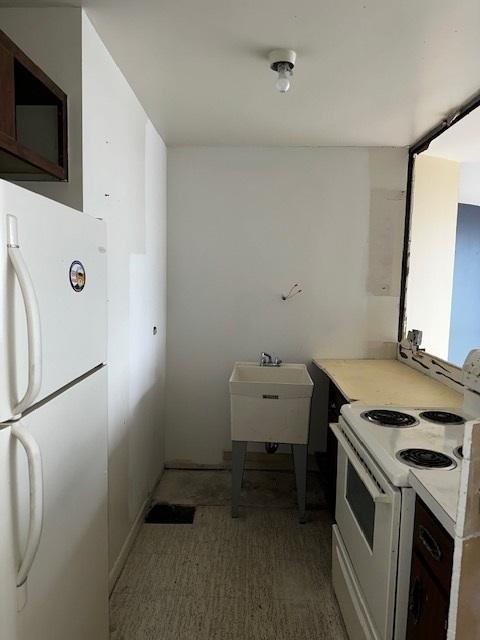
282 61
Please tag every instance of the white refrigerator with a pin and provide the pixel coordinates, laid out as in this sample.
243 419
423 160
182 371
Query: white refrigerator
53 417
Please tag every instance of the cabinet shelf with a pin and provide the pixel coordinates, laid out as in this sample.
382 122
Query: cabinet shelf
33 119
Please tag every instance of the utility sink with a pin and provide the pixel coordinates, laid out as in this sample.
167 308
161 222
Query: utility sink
287 380
270 404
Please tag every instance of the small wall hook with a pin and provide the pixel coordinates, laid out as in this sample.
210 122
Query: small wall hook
294 290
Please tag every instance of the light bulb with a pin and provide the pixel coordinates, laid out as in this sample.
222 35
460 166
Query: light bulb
283 83
282 61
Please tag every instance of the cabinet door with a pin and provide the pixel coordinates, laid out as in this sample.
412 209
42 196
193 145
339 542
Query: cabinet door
7 98
33 119
434 545
427 606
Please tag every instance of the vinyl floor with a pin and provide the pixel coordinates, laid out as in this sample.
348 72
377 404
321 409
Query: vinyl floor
260 577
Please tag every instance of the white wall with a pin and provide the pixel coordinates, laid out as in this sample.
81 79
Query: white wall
469 183
244 224
51 37
124 176
432 251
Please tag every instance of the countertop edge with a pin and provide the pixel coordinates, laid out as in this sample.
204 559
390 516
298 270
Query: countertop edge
316 362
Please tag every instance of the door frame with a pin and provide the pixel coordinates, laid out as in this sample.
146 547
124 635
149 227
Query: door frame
418 147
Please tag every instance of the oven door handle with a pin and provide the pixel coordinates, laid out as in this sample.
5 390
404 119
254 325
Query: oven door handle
371 487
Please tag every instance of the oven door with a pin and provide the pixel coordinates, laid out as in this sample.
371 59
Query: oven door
368 517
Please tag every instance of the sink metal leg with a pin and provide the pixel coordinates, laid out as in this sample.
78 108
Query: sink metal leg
300 452
239 451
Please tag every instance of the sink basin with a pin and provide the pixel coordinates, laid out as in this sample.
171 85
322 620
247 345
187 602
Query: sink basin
270 404
287 380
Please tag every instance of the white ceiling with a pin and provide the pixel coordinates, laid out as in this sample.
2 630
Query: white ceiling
469 183
369 72
461 142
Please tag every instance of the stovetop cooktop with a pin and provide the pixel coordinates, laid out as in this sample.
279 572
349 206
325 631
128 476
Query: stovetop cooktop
387 431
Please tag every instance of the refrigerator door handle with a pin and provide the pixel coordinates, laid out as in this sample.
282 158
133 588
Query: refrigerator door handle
33 318
35 475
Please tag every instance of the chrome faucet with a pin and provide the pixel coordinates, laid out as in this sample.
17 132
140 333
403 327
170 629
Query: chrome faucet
266 360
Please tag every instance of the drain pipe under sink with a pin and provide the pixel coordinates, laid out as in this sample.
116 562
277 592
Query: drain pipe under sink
271 447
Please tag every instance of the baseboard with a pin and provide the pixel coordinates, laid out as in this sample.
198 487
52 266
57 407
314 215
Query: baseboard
255 461
188 464
119 563
261 460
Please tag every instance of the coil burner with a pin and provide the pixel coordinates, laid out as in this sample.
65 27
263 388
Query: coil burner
442 417
458 451
389 418
425 459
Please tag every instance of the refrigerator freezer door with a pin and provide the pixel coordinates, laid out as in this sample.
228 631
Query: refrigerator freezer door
67 586
64 252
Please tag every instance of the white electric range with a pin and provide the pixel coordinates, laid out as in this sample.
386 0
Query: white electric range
378 449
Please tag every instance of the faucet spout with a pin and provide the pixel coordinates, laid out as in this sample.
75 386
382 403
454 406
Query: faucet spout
266 360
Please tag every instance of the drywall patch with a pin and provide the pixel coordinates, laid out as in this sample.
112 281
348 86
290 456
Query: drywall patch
387 210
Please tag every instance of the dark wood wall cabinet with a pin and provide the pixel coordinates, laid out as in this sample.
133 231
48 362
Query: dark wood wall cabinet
430 577
33 119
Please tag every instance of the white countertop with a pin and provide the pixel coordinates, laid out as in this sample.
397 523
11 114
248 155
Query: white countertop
438 489
387 382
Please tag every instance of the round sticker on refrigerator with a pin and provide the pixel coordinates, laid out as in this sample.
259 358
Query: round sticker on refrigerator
77 276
